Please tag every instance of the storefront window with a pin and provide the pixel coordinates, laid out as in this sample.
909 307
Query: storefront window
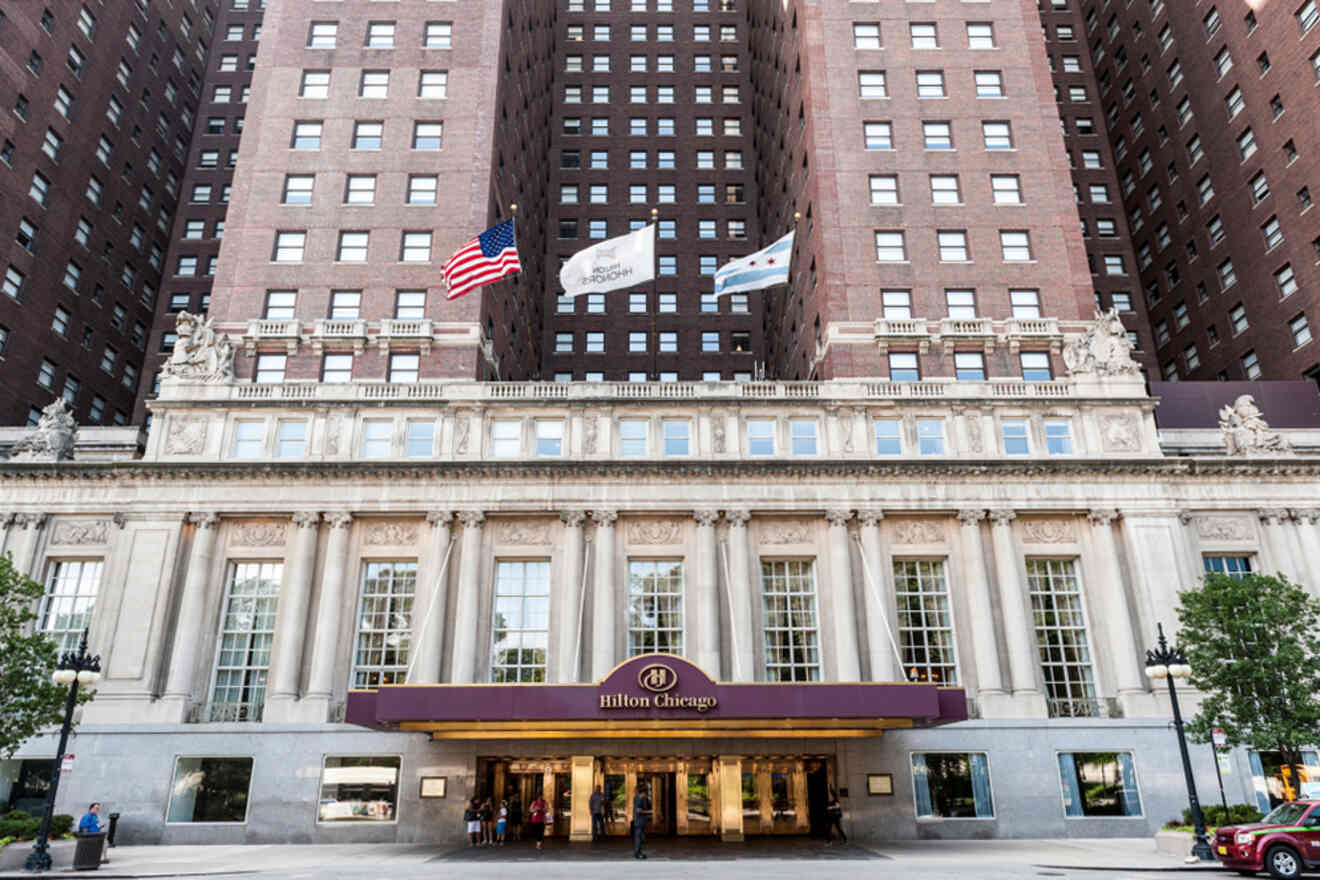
655 607
384 636
950 785
1099 784
210 790
698 803
359 789
1273 778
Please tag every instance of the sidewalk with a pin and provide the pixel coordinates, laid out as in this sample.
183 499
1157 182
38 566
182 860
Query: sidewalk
1031 857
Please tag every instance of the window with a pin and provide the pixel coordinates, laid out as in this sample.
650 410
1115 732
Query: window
903 367
432 84
888 437
952 785
889 247
247 631
315 84
802 436
1233 566
1300 329
215 789
655 607
1064 648
404 367
322 35
410 305
520 630
69 600
290 439
374 84
279 305
997 135
760 437
677 437
925 621
1005 189
1014 433
952 246
1272 232
871 84
438 34
549 438
969 366
930 84
298 190
384 634
923 35
289 247
930 436
1307 15
788 596
1099 784
878 135
1035 366
415 247
427 135
937 135
1016 246
352 247
944 189
359 789
1286 280
1058 437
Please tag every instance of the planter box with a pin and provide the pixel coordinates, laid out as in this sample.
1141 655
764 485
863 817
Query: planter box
13 856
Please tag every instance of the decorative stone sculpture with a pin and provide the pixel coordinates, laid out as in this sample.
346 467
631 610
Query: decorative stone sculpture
1104 349
200 354
52 438
1246 432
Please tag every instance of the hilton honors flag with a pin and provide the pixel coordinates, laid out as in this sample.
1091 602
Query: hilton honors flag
765 268
622 261
489 257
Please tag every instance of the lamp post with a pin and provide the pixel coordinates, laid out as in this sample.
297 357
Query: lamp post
1168 663
73 669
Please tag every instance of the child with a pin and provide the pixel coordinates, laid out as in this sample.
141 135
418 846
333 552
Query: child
503 824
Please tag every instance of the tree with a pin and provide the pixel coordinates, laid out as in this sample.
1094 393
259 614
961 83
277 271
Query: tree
29 700
1252 644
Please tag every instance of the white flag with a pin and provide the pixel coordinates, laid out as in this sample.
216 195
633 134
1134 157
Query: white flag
765 268
617 262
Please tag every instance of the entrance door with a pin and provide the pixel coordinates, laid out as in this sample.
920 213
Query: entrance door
818 798
525 787
661 788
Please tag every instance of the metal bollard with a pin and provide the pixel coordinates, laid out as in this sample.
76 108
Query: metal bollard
110 838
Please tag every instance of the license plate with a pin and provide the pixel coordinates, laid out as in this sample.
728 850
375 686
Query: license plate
1223 850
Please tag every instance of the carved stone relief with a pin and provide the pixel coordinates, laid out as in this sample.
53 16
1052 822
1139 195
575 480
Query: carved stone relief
517 531
186 435
80 532
1225 528
1048 531
717 429
591 430
462 427
785 532
1120 433
261 533
393 534
653 531
918 531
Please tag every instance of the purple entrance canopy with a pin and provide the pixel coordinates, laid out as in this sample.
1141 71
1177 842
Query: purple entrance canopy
656 695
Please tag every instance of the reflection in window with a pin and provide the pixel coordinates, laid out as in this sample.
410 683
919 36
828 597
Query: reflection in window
751 801
359 789
1233 566
210 790
66 610
698 803
520 631
655 607
1099 784
952 785
247 631
384 629
788 594
925 622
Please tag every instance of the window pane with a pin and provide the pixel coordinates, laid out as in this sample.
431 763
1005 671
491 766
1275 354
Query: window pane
520 629
247 630
384 634
788 595
359 789
210 790
925 621
655 607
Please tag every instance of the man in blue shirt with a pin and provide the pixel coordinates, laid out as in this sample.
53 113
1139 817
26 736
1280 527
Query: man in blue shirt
90 824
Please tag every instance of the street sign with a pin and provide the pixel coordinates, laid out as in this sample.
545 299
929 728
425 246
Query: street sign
1225 762
66 765
1219 738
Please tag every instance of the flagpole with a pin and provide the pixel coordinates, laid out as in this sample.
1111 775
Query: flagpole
655 308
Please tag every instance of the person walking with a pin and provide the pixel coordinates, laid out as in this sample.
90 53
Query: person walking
472 816
516 817
834 812
90 823
536 816
641 816
502 823
486 813
597 804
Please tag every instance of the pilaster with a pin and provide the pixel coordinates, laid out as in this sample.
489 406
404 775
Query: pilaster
604 604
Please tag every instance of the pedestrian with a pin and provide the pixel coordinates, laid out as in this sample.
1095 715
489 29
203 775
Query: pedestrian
502 823
472 816
834 812
597 804
516 817
487 812
641 816
90 823
536 817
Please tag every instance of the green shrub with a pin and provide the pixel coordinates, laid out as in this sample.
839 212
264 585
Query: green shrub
1238 814
19 824
60 824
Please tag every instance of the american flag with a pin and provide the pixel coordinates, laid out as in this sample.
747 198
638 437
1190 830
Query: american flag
489 257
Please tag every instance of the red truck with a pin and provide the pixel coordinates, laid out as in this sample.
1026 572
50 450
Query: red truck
1285 843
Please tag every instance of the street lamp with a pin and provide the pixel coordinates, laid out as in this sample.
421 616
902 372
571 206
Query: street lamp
1168 663
73 669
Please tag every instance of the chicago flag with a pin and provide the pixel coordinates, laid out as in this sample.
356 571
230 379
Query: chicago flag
765 268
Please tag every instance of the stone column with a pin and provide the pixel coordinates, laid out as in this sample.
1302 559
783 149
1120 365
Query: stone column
188 637
326 639
569 623
1013 603
1112 605
6 527
842 600
291 617
604 608
1274 524
1310 547
429 620
463 666
28 527
703 596
742 666
985 645
878 593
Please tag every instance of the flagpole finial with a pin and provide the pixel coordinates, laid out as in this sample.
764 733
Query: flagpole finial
514 207
655 212
797 216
